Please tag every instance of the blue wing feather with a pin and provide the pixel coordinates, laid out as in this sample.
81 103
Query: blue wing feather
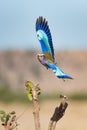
58 72
46 41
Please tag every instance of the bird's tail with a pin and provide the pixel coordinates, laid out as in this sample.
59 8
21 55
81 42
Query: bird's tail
58 72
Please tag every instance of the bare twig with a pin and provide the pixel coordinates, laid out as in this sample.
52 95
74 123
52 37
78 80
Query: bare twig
33 92
58 113
36 109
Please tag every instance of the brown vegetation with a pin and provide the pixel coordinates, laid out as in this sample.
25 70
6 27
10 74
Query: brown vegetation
18 66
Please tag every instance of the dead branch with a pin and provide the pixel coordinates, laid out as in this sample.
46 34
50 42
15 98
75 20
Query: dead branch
36 108
58 114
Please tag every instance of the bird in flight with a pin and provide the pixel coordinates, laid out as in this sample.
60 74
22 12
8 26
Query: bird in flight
47 57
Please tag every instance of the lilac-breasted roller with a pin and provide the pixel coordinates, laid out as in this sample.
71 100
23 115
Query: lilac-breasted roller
47 57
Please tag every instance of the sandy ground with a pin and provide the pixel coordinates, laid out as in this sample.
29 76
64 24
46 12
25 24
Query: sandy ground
75 117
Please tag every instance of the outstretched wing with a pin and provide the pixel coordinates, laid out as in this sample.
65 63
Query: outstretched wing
45 38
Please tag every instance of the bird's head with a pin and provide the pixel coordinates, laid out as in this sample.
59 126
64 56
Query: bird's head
41 56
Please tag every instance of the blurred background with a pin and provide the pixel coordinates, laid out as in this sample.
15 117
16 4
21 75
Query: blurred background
18 50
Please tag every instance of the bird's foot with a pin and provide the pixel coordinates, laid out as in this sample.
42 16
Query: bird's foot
63 80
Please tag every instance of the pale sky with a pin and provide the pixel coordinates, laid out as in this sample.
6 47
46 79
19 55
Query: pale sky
67 20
